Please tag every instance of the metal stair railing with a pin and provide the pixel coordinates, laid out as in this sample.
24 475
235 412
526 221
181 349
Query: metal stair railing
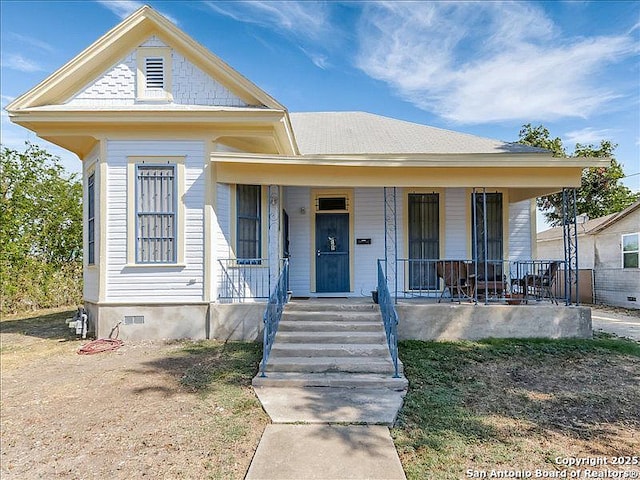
389 317
273 314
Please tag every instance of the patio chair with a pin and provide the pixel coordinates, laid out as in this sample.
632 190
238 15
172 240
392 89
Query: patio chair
542 285
454 276
493 285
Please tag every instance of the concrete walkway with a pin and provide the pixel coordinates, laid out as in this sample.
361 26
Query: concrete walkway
325 452
616 321
323 447
376 406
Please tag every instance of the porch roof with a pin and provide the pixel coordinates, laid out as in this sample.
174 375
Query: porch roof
365 133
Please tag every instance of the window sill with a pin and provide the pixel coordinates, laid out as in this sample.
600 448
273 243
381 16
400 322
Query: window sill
155 265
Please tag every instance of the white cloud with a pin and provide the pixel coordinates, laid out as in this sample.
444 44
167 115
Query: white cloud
588 136
302 19
307 22
124 8
319 59
483 62
15 61
34 42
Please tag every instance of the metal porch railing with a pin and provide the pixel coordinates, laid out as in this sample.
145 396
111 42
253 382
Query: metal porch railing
389 317
244 279
493 281
273 314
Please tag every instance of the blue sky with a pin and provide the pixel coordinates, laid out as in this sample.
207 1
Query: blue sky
481 68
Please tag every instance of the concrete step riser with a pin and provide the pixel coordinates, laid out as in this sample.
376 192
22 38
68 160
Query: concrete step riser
288 326
320 380
329 364
315 307
330 337
332 317
329 350
324 368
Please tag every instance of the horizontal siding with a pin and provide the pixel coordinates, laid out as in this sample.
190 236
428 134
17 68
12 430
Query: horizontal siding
155 283
297 198
520 231
368 223
456 223
223 221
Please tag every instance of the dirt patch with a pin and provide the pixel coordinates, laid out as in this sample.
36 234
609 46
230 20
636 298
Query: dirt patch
149 409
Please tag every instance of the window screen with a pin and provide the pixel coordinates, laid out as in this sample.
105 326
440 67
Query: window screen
248 222
424 240
91 218
156 214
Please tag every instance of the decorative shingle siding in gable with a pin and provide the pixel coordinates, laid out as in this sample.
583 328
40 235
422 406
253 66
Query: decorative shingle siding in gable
190 85
116 87
153 41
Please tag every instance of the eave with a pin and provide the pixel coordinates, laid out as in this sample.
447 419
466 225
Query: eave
404 160
256 129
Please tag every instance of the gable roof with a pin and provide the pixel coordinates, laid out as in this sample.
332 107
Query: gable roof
121 39
590 227
365 133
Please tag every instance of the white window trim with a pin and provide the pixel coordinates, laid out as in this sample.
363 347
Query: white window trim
622 250
233 221
142 53
179 162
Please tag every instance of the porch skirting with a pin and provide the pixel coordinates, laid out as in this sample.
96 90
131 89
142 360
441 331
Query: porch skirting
243 321
197 321
475 322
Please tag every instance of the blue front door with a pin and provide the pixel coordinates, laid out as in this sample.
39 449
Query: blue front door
332 252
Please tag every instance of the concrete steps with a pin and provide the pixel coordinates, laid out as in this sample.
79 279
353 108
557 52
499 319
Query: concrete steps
324 344
327 379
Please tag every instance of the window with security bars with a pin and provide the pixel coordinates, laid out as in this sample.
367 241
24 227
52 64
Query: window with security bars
91 219
156 214
424 240
248 223
154 72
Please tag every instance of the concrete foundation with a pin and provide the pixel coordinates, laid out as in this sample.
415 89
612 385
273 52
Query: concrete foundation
474 322
243 321
150 322
237 322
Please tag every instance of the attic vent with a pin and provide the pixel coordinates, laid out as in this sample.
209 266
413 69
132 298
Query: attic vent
154 72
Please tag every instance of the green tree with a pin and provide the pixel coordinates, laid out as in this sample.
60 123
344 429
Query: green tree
600 192
40 230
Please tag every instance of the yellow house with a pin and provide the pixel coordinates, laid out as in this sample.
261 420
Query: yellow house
199 187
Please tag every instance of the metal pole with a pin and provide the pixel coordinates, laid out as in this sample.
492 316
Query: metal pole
474 247
395 241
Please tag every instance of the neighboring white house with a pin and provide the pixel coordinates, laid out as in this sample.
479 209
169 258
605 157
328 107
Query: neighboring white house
609 247
197 184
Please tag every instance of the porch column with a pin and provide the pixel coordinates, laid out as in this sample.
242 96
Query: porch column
570 237
274 247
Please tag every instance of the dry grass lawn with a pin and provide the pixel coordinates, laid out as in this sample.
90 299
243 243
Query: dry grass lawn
517 405
148 410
